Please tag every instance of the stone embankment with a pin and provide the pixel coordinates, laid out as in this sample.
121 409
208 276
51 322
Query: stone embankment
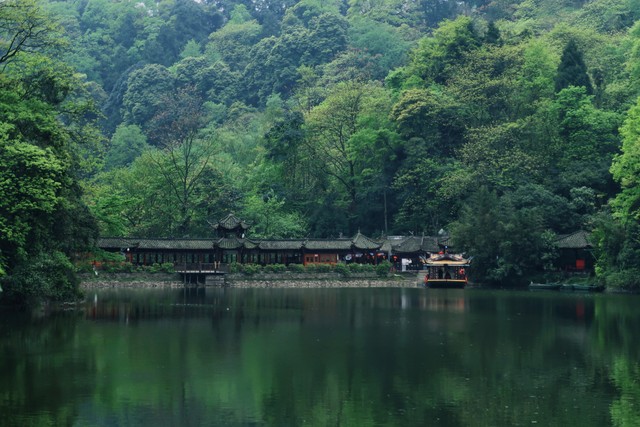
307 283
325 280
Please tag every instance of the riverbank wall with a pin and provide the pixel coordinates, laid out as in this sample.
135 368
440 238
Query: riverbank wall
271 280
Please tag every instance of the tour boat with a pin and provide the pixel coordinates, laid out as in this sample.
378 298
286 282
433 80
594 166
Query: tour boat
446 270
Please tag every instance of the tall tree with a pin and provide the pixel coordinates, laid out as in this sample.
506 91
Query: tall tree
572 71
342 132
26 28
42 116
184 157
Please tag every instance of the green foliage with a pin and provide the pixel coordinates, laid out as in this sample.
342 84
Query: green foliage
296 268
47 276
26 28
626 169
383 269
505 242
617 251
269 218
147 88
628 279
251 269
437 56
342 269
275 268
572 70
361 268
280 114
127 143
319 268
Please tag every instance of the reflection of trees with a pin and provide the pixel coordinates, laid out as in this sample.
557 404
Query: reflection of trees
617 323
39 378
339 357
626 376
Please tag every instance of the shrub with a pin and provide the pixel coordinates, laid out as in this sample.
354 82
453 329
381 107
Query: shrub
275 268
46 276
624 279
234 267
382 269
342 269
251 269
355 268
319 268
296 268
367 268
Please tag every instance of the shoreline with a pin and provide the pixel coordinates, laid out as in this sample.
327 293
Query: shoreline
263 283
268 280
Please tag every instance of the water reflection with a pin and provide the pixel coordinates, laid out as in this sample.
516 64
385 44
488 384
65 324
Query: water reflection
324 356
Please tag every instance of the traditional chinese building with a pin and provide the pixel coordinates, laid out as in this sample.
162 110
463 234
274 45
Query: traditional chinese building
575 252
230 245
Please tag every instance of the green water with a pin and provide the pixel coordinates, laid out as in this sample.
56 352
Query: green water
319 357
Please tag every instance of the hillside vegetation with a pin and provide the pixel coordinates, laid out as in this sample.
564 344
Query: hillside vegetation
504 122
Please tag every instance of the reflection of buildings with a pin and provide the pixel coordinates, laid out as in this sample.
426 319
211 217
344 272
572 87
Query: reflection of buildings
231 245
450 303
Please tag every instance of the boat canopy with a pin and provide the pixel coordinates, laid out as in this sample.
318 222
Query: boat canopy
441 260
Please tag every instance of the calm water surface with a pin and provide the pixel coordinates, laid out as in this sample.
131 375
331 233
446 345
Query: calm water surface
340 357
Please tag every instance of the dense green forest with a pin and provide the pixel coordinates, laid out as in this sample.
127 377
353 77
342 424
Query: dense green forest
504 122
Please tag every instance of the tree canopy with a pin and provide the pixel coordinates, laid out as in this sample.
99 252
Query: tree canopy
320 118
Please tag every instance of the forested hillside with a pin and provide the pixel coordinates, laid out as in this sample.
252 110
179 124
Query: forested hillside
504 122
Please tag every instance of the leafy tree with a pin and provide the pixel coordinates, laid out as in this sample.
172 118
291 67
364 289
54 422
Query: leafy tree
486 84
341 132
233 42
506 243
433 116
538 73
496 159
626 169
588 140
269 218
25 27
572 71
435 57
386 45
127 143
184 157
147 88
42 117
422 207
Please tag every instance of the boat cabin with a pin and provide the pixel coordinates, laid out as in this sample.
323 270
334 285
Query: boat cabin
444 270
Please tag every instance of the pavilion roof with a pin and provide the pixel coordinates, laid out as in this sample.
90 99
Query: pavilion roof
231 222
281 245
328 244
235 243
577 240
153 243
416 244
360 241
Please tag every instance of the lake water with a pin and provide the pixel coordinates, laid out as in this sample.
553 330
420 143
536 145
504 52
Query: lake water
318 357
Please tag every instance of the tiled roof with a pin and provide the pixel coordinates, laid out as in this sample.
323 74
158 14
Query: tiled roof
415 244
576 240
363 242
231 222
168 244
360 242
328 244
281 245
234 243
